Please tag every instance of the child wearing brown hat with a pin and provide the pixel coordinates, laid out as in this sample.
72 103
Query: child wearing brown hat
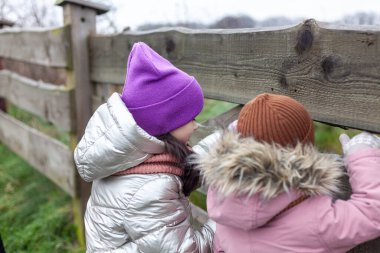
271 191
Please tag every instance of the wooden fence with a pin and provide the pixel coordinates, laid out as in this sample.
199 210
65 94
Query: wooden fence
45 49
64 74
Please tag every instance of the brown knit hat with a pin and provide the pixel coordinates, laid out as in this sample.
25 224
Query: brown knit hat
275 118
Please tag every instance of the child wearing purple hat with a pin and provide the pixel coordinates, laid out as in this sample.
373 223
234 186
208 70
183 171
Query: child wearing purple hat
134 152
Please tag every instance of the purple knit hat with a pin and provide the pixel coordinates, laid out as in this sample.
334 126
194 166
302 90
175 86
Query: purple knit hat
160 97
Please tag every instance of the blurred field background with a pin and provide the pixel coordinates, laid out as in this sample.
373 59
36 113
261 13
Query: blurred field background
36 215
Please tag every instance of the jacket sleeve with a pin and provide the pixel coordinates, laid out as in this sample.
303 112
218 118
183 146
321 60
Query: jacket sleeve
209 141
158 219
345 224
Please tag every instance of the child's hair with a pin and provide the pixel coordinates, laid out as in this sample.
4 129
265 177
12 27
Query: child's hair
180 151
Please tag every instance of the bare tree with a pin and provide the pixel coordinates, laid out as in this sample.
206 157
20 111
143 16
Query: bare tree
278 21
361 18
234 22
43 13
31 13
7 11
2 9
38 13
106 22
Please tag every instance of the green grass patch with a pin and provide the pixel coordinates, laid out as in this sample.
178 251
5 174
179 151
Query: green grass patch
213 108
35 215
39 124
199 199
327 137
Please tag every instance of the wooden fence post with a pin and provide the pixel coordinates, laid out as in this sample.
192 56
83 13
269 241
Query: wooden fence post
3 102
81 16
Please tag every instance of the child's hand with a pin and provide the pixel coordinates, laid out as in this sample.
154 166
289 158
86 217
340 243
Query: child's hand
360 141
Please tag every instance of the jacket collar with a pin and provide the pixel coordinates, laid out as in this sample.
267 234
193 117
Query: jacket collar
246 166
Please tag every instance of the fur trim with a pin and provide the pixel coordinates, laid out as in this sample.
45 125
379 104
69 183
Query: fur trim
246 166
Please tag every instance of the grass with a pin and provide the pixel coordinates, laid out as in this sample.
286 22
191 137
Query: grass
327 137
35 215
199 199
39 124
213 108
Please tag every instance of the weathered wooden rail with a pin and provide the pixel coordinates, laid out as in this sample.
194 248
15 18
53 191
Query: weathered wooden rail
333 71
64 74
48 48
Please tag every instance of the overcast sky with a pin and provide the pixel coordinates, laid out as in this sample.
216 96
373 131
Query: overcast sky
136 12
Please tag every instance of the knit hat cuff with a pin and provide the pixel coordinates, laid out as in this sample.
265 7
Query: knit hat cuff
179 109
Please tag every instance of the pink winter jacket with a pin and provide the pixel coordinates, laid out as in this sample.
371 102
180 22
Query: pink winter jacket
251 183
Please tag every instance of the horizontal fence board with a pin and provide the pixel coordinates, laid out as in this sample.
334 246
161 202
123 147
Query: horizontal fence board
44 47
199 214
36 72
333 71
47 155
53 103
102 92
96 102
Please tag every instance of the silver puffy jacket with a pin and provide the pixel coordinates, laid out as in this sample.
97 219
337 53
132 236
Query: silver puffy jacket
132 213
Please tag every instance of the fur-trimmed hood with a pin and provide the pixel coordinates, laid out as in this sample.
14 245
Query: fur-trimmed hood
246 166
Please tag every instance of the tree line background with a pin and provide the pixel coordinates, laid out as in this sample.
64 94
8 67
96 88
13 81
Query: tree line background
41 13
